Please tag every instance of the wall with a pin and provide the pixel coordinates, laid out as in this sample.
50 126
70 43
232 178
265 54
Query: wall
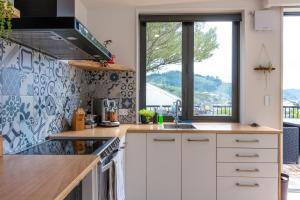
39 94
120 25
277 3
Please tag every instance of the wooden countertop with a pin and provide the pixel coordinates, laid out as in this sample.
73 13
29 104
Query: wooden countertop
200 128
42 177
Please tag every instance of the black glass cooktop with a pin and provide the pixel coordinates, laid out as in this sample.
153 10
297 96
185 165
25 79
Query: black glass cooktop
67 147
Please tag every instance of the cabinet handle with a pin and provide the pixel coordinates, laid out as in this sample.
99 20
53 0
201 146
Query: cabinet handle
197 140
247 156
247 141
163 140
247 185
247 170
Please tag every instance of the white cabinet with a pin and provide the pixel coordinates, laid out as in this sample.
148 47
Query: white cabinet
135 167
198 166
236 188
247 166
163 166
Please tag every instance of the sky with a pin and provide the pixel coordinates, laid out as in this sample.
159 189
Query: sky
220 64
291 61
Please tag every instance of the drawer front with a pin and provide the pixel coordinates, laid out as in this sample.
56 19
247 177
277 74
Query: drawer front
247 188
247 155
247 140
267 170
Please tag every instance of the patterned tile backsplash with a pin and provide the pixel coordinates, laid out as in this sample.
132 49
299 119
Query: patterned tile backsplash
39 94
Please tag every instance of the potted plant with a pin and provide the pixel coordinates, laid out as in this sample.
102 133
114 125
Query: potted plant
6 14
146 116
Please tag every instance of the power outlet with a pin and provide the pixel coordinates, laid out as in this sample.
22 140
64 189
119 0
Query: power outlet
123 112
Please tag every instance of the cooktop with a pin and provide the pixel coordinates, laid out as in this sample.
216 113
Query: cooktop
67 147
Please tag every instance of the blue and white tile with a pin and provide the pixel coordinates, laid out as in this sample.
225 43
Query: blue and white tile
26 60
27 121
9 54
11 81
39 63
10 109
40 82
11 136
26 88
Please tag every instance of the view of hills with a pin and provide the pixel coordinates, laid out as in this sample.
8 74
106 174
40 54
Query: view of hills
209 90
292 95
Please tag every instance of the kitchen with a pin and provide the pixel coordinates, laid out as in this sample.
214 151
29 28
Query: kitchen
46 79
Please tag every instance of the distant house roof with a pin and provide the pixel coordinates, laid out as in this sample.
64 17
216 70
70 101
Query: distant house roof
158 96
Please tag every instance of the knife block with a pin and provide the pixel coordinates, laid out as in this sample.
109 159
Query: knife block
78 120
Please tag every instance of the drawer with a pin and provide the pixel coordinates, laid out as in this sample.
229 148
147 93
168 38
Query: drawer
267 170
247 155
247 140
247 188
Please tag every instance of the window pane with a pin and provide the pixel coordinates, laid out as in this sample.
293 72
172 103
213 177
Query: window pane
291 63
213 69
163 64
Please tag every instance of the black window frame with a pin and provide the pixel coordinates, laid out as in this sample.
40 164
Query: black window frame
188 61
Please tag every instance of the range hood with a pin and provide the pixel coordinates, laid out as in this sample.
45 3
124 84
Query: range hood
50 26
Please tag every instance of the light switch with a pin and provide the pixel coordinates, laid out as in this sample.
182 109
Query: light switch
267 100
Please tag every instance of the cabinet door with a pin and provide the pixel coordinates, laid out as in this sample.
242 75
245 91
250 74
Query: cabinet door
199 166
163 166
135 166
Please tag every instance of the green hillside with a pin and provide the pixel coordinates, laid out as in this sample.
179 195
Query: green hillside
209 90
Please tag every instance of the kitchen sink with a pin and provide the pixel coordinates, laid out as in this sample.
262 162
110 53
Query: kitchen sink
179 126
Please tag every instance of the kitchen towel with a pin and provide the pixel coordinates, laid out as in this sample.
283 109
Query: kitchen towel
118 162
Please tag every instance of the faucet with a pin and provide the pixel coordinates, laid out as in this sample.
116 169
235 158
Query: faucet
177 104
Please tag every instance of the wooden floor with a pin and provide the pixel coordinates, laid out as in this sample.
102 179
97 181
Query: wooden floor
294 183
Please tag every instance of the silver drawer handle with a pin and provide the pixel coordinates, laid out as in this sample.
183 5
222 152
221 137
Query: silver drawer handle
247 141
247 170
163 140
247 156
197 140
247 185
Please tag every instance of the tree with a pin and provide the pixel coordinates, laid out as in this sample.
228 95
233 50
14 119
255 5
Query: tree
164 44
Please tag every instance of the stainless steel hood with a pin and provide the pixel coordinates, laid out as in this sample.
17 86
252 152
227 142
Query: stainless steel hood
50 26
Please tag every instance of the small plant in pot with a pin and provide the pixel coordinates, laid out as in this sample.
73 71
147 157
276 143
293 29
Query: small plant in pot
146 116
6 14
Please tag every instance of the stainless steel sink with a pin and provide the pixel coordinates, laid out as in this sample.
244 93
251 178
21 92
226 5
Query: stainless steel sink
179 126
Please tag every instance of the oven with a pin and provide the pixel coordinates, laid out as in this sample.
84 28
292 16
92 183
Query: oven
99 183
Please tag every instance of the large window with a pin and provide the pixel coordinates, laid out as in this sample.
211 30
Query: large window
193 58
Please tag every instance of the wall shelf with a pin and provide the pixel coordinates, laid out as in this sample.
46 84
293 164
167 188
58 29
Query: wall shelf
268 69
97 66
16 13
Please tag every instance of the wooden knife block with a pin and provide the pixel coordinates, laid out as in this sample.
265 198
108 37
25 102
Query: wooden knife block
78 122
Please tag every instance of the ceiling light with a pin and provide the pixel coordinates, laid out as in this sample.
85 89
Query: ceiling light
156 35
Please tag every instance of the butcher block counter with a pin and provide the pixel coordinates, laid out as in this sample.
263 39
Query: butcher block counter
222 128
42 177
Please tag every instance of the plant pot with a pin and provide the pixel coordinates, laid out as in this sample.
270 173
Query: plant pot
144 120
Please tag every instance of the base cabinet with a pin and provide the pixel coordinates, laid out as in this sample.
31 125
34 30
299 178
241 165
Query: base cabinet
163 166
192 166
235 188
198 166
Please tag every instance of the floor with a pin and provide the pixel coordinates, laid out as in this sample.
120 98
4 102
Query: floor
294 184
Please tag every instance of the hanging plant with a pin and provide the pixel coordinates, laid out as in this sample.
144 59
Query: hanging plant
6 14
